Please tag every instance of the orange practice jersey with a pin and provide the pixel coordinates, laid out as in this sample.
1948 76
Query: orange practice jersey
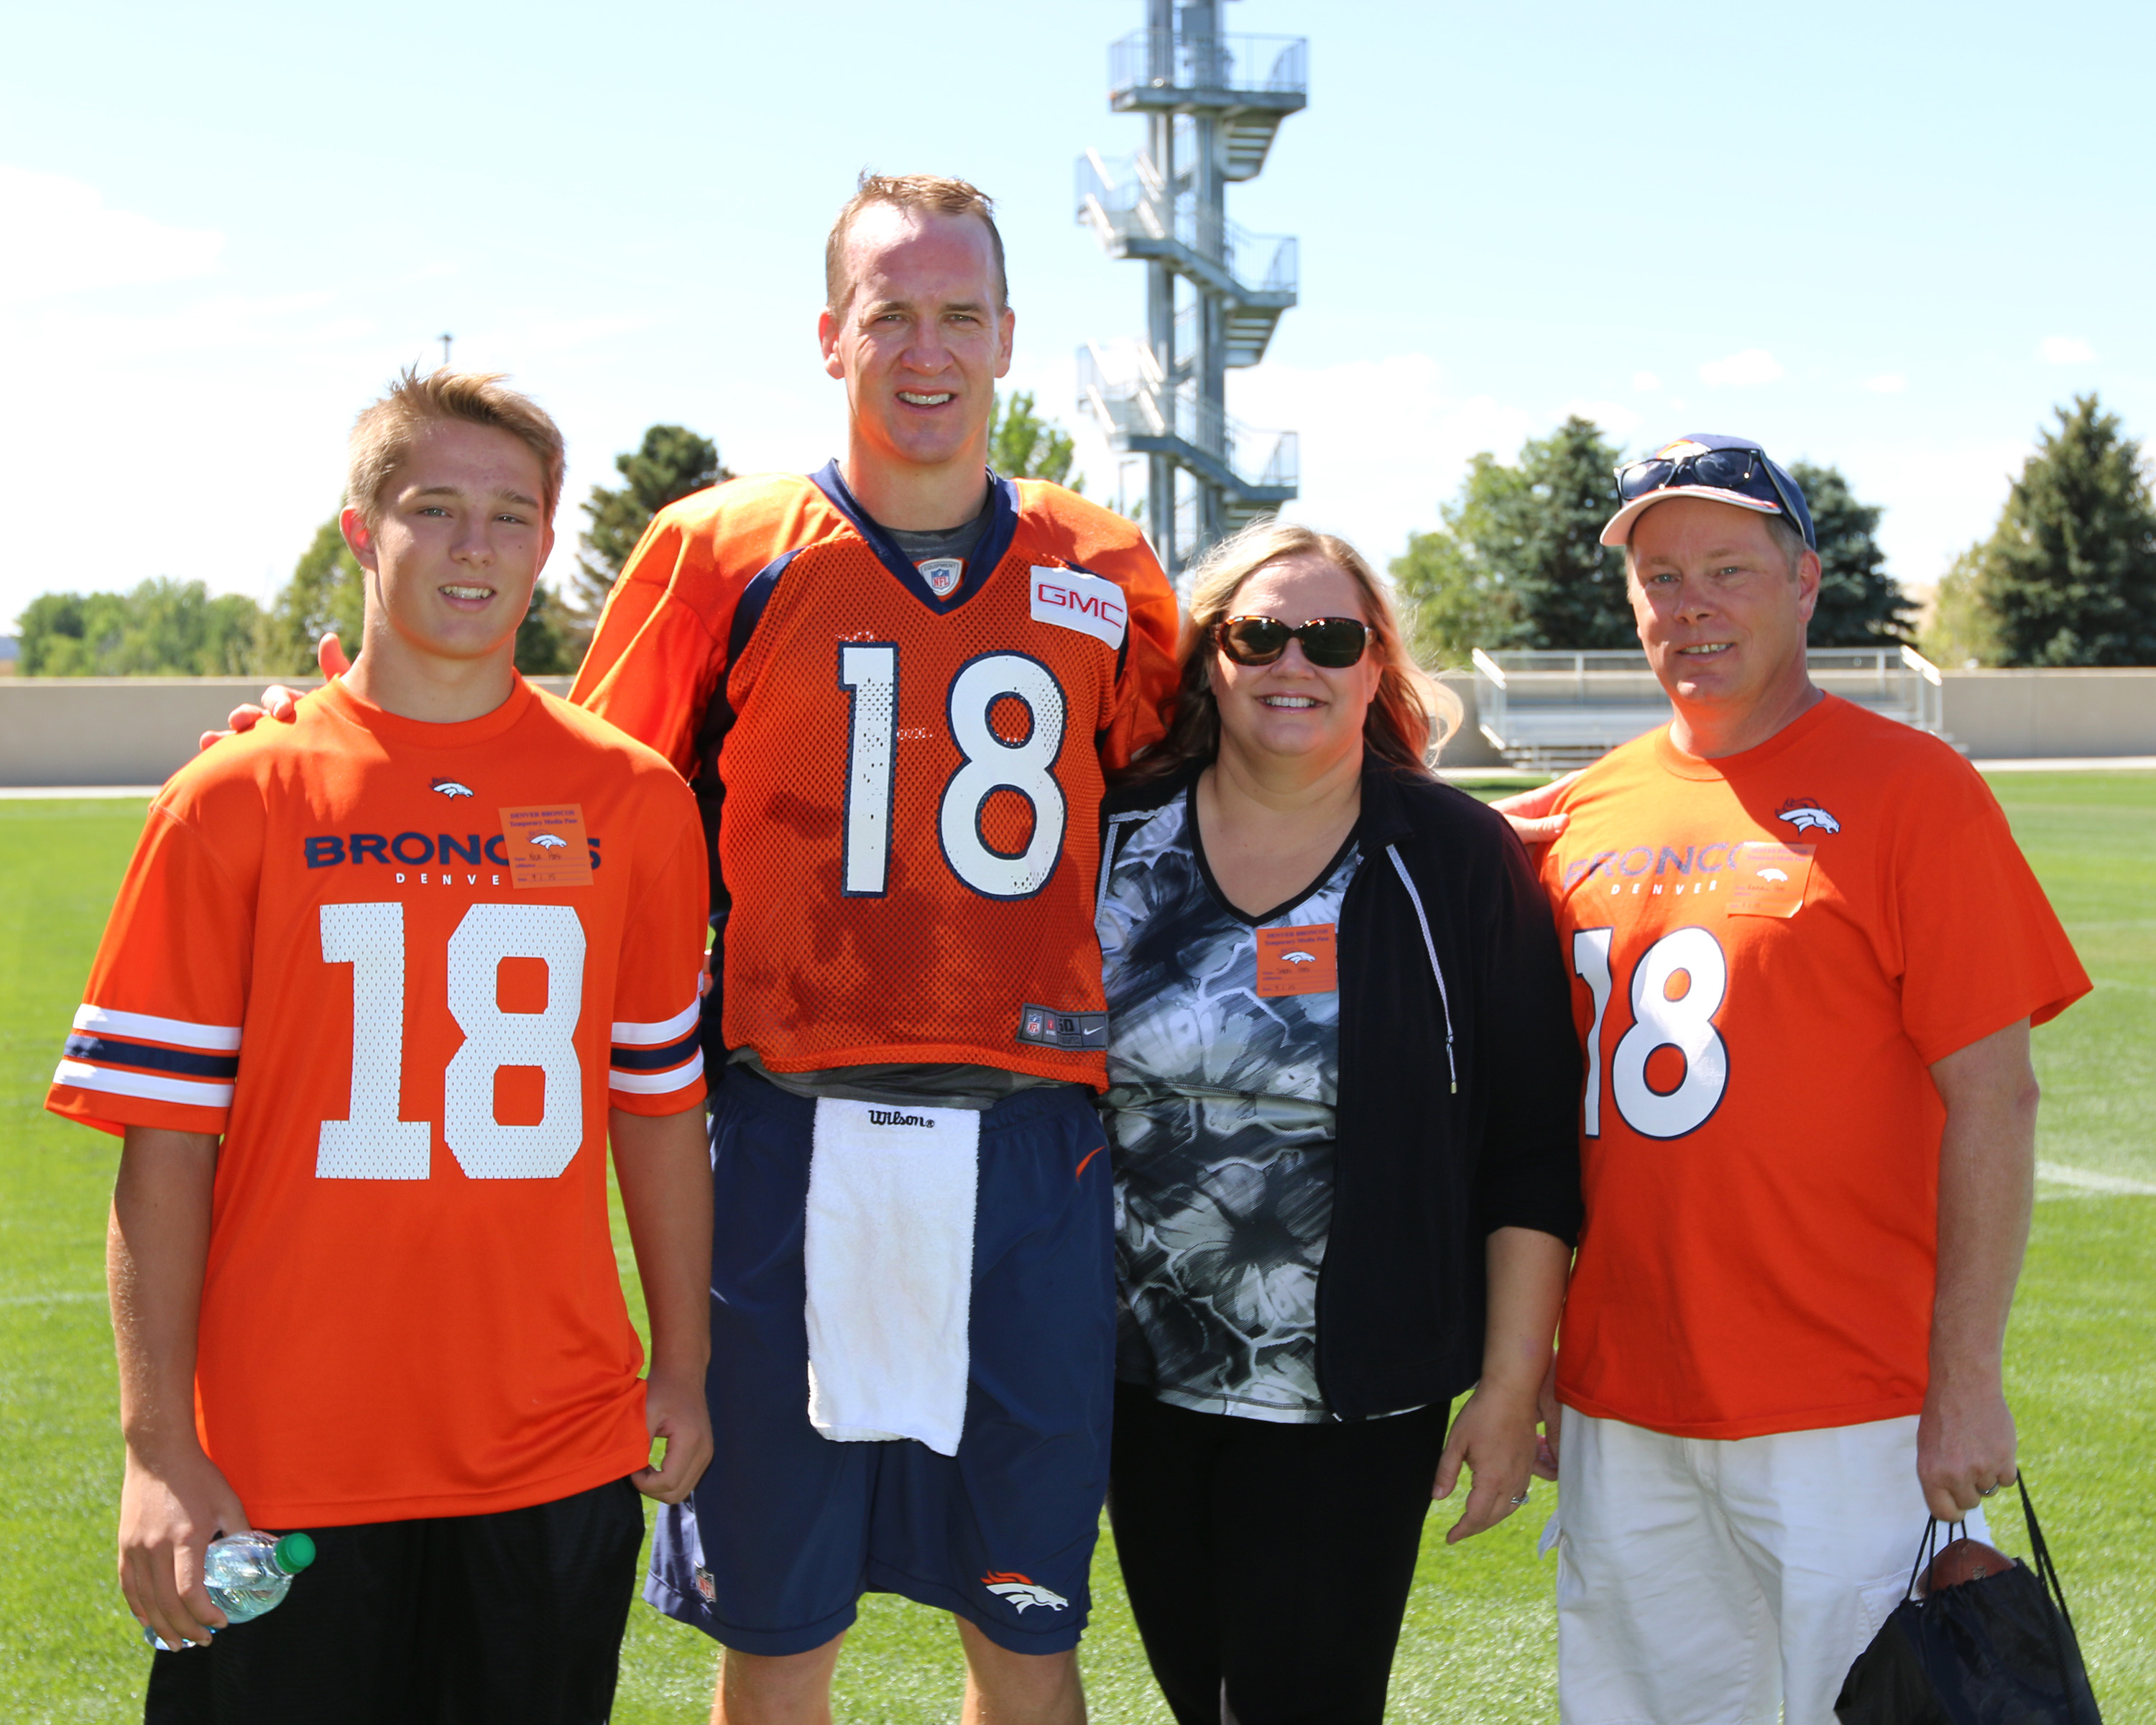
902 785
405 969
1768 952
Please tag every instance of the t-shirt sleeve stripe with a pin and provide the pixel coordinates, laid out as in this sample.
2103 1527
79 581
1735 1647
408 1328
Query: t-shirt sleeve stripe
187 1035
666 1030
113 1051
657 1059
147 1084
657 1084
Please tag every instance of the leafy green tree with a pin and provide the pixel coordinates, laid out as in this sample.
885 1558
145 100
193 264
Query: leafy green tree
671 462
1518 561
2069 577
327 591
1961 632
162 628
1024 445
1860 605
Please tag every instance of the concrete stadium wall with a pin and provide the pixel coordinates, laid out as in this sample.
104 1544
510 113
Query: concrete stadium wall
108 731
2031 715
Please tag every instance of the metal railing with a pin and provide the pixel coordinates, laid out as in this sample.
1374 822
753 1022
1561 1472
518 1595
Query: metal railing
1164 60
1125 198
1555 707
1126 394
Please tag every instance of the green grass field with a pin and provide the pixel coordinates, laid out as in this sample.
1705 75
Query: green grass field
1480 1640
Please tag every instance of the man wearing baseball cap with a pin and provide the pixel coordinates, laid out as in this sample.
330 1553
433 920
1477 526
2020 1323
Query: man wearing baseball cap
1806 956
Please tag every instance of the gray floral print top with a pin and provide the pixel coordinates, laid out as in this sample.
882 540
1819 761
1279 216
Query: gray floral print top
1219 1115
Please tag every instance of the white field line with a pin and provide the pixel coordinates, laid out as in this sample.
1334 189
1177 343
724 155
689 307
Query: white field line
78 792
50 1299
2088 1180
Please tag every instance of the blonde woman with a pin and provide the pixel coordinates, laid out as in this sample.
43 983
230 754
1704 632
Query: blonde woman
1344 1079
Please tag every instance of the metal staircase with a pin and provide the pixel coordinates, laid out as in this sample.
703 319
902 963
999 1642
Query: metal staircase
1250 82
1214 292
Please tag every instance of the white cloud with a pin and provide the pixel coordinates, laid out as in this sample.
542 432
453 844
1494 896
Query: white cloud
1754 365
2064 351
1887 383
1647 383
58 237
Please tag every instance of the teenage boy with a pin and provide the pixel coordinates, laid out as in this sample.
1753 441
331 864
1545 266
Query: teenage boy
378 988
896 685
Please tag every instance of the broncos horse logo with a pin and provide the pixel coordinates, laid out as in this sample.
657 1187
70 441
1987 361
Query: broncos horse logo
450 788
549 841
1802 814
1021 1592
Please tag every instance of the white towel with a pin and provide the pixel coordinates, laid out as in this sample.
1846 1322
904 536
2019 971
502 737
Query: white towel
889 1252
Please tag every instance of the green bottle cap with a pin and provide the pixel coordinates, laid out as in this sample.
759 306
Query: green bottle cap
294 1552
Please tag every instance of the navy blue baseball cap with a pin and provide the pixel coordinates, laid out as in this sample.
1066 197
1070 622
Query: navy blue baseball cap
1705 464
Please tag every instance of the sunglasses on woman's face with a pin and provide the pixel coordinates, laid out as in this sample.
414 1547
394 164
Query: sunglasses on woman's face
1334 642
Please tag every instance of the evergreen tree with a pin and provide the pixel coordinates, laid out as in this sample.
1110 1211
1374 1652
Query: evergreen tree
548 641
1519 561
327 591
1860 605
1024 445
671 462
162 628
2069 577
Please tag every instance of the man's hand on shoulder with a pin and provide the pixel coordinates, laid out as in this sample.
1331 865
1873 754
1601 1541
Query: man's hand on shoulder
1529 811
675 1411
171 1507
278 701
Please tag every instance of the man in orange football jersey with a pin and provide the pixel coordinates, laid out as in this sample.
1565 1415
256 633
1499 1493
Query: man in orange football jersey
896 685
1807 954
378 989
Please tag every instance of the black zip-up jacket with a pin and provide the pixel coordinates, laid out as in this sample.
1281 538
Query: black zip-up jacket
1459 1075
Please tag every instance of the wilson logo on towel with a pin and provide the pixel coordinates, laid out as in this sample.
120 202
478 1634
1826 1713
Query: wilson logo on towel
891 1116
1021 1592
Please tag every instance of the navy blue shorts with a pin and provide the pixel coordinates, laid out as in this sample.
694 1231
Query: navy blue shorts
788 1529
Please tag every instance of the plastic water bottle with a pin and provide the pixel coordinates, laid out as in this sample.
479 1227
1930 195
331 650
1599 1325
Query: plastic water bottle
247 1575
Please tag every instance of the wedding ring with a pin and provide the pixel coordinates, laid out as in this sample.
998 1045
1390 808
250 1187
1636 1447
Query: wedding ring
1985 1490
1519 1500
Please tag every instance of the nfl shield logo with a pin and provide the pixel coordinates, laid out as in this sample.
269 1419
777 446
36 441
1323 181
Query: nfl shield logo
943 574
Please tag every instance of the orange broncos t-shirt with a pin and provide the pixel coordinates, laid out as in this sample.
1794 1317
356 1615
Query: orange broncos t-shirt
1768 952
405 969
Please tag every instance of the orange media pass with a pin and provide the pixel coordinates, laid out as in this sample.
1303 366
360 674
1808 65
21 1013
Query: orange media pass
1298 960
546 845
1769 879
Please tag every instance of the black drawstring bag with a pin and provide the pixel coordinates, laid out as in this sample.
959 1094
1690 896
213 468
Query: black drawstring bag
2000 1650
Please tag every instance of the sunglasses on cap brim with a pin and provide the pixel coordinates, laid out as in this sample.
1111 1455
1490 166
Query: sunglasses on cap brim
1334 642
1746 472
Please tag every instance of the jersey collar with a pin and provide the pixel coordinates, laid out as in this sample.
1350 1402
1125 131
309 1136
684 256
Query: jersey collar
1003 526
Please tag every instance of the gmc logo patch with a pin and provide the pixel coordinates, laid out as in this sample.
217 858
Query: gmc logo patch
1070 598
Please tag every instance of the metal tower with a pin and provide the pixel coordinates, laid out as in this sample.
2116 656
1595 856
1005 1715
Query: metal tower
1213 293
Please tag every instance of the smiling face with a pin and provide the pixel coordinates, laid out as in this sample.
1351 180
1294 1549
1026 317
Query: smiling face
921 339
1292 708
1720 613
458 540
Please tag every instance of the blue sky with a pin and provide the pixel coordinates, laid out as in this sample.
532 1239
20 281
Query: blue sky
1889 236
